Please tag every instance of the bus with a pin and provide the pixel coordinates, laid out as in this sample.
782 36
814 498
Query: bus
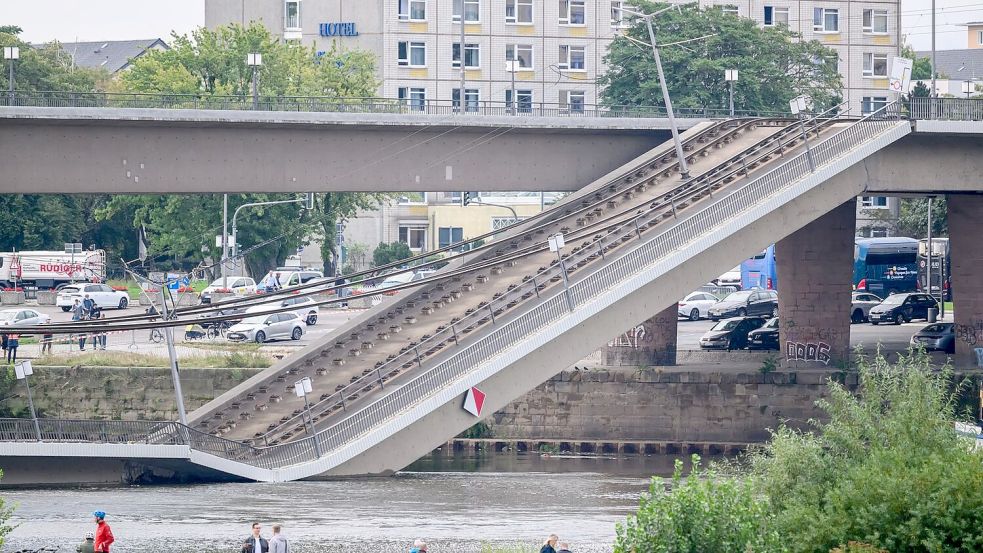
760 271
885 266
941 267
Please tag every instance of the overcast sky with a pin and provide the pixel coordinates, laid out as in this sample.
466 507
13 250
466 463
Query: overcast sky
92 20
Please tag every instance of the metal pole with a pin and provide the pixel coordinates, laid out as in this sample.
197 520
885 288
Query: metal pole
461 104
175 374
731 98
225 240
933 95
317 443
928 267
566 282
255 88
683 169
805 138
30 403
11 82
515 101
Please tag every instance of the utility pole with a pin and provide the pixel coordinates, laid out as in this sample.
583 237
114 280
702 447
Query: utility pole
461 95
933 95
11 53
225 240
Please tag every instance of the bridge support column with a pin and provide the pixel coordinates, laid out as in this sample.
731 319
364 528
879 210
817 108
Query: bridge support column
965 230
815 274
651 343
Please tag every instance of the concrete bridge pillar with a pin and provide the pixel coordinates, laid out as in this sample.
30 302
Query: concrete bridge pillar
651 343
815 277
965 230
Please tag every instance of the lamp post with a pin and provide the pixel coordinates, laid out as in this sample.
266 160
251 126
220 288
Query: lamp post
510 67
307 200
11 53
680 154
967 88
255 60
799 107
23 370
303 387
731 76
556 243
461 97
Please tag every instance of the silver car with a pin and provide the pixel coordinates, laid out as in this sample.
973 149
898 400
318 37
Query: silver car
22 317
861 304
264 328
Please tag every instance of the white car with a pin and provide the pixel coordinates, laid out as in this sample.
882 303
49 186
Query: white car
284 277
696 305
104 296
240 286
730 278
304 307
11 317
263 328
391 282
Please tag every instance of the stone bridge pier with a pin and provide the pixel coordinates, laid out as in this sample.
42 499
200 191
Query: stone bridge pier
652 343
966 247
815 279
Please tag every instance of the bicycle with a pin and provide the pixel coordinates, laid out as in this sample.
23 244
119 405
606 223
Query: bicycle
156 335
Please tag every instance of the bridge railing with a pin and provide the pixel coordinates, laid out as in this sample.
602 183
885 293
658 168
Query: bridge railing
92 431
946 109
349 105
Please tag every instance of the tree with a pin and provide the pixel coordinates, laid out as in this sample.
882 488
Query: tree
384 254
5 513
921 68
47 67
774 66
913 217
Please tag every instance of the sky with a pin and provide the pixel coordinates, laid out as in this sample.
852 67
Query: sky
93 20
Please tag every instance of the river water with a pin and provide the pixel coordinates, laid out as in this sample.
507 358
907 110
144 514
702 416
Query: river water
456 504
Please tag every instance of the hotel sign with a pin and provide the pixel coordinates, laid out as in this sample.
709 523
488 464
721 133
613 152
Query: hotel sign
338 29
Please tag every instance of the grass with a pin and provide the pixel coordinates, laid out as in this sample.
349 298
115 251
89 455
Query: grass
248 360
245 346
134 290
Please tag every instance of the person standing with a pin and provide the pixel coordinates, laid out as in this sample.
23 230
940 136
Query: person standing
419 546
12 342
104 534
88 544
77 311
256 543
564 548
47 340
88 304
550 545
278 543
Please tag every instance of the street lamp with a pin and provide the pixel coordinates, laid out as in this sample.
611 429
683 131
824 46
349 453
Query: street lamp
967 88
731 76
11 53
307 200
799 107
23 370
511 66
255 60
556 243
303 387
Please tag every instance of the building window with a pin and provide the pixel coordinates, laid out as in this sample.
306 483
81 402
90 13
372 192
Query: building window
619 19
875 65
518 12
472 58
870 104
875 22
412 10
572 57
776 16
412 54
826 20
471 99
472 11
572 12
572 101
523 100
873 202
449 235
291 15
415 98
731 10
413 236
521 53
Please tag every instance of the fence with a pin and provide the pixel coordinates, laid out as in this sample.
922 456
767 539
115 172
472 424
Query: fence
946 109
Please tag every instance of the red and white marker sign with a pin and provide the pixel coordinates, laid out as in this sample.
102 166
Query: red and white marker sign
474 401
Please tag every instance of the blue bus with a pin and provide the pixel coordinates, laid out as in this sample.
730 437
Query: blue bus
884 266
760 271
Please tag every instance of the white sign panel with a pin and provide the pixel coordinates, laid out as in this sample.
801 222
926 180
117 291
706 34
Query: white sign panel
23 370
900 74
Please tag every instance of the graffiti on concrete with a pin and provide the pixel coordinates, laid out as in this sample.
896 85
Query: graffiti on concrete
970 334
809 351
634 338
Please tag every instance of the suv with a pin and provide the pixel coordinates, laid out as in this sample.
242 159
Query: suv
901 308
284 277
746 302
104 296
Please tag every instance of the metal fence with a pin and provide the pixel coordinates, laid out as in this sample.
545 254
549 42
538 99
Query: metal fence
946 109
350 105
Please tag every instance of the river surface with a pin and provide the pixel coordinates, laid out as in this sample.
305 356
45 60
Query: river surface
457 504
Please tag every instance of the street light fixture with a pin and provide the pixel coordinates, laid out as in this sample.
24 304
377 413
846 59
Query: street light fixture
967 88
255 60
556 243
11 53
23 370
799 106
731 76
303 387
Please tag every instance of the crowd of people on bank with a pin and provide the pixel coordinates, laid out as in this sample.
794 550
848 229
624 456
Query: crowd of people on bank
85 310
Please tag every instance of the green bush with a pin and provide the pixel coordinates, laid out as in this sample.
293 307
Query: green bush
5 512
701 513
384 254
887 469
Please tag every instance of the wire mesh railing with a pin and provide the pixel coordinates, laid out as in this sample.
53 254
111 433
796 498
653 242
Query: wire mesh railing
945 109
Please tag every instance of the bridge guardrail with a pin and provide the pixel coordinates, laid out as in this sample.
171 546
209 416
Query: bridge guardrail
944 109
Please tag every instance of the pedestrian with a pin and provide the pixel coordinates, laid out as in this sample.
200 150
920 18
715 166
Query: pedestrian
278 543
104 535
419 546
256 543
12 342
564 547
47 339
550 545
3 343
88 304
88 544
77 311
98 339
82 337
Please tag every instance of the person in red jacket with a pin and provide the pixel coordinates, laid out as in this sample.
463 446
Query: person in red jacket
104 535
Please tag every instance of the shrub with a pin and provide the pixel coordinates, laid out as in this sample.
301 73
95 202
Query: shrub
701 513
5 513
384 254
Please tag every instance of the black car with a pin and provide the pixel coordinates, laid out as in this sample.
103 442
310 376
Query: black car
730 333
765 337
901 308
745 303
936 337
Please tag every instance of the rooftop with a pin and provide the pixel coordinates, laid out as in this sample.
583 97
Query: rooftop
959 65
111 55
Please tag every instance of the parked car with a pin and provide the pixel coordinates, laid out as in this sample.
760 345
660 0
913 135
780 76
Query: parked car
765 337
936 337
861 304
239 286
284 277
901 308
696 305
303 306
746 302
104 296
730 278
11 317
730 333
264 328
